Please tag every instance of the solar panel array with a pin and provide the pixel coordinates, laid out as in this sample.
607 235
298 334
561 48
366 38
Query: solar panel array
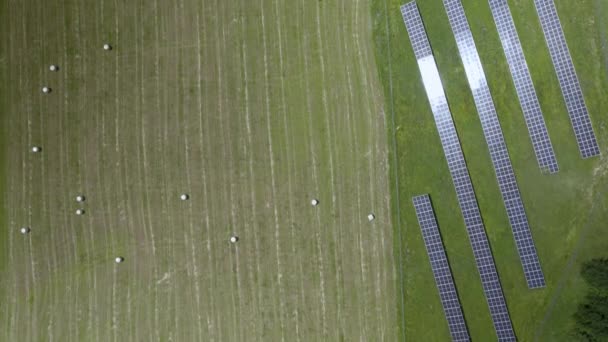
441 268
459 172
496 144
568 81
524 86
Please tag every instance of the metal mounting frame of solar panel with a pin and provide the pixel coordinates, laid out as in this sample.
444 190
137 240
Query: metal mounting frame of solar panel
568 80
441 268
459 172
496 144
528 100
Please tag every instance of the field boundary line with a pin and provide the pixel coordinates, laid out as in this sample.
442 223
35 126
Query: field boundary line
372 157
395 165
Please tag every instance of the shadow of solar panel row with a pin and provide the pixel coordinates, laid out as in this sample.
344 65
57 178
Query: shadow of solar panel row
528 100
496 144
441 268
459 172
568 80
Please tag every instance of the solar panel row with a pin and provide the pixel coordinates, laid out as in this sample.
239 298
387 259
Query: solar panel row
441 268
459 172
524 86
496 144
566 75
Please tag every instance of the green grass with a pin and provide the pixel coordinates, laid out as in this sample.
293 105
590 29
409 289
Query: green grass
4 146
566 211
136 127
192 98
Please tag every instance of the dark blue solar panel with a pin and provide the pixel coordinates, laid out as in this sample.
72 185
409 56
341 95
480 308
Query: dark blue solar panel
566 75
441 268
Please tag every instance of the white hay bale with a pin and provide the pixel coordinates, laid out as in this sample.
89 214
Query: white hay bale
184 197
79 212
119 260
80 198
371 217
36 149
53 67
46 90
314 202
25 230
234 239
107 47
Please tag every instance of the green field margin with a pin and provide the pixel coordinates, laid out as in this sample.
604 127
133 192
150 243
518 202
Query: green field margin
567 211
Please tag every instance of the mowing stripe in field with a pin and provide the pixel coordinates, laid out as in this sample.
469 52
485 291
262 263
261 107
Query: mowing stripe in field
496 144
205 97
528 100
271 155
459 172
568 80
441 268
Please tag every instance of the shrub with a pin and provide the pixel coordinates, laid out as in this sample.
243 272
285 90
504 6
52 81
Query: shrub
595 273
591 317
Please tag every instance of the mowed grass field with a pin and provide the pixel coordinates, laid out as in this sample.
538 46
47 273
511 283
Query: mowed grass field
253 108
567 211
